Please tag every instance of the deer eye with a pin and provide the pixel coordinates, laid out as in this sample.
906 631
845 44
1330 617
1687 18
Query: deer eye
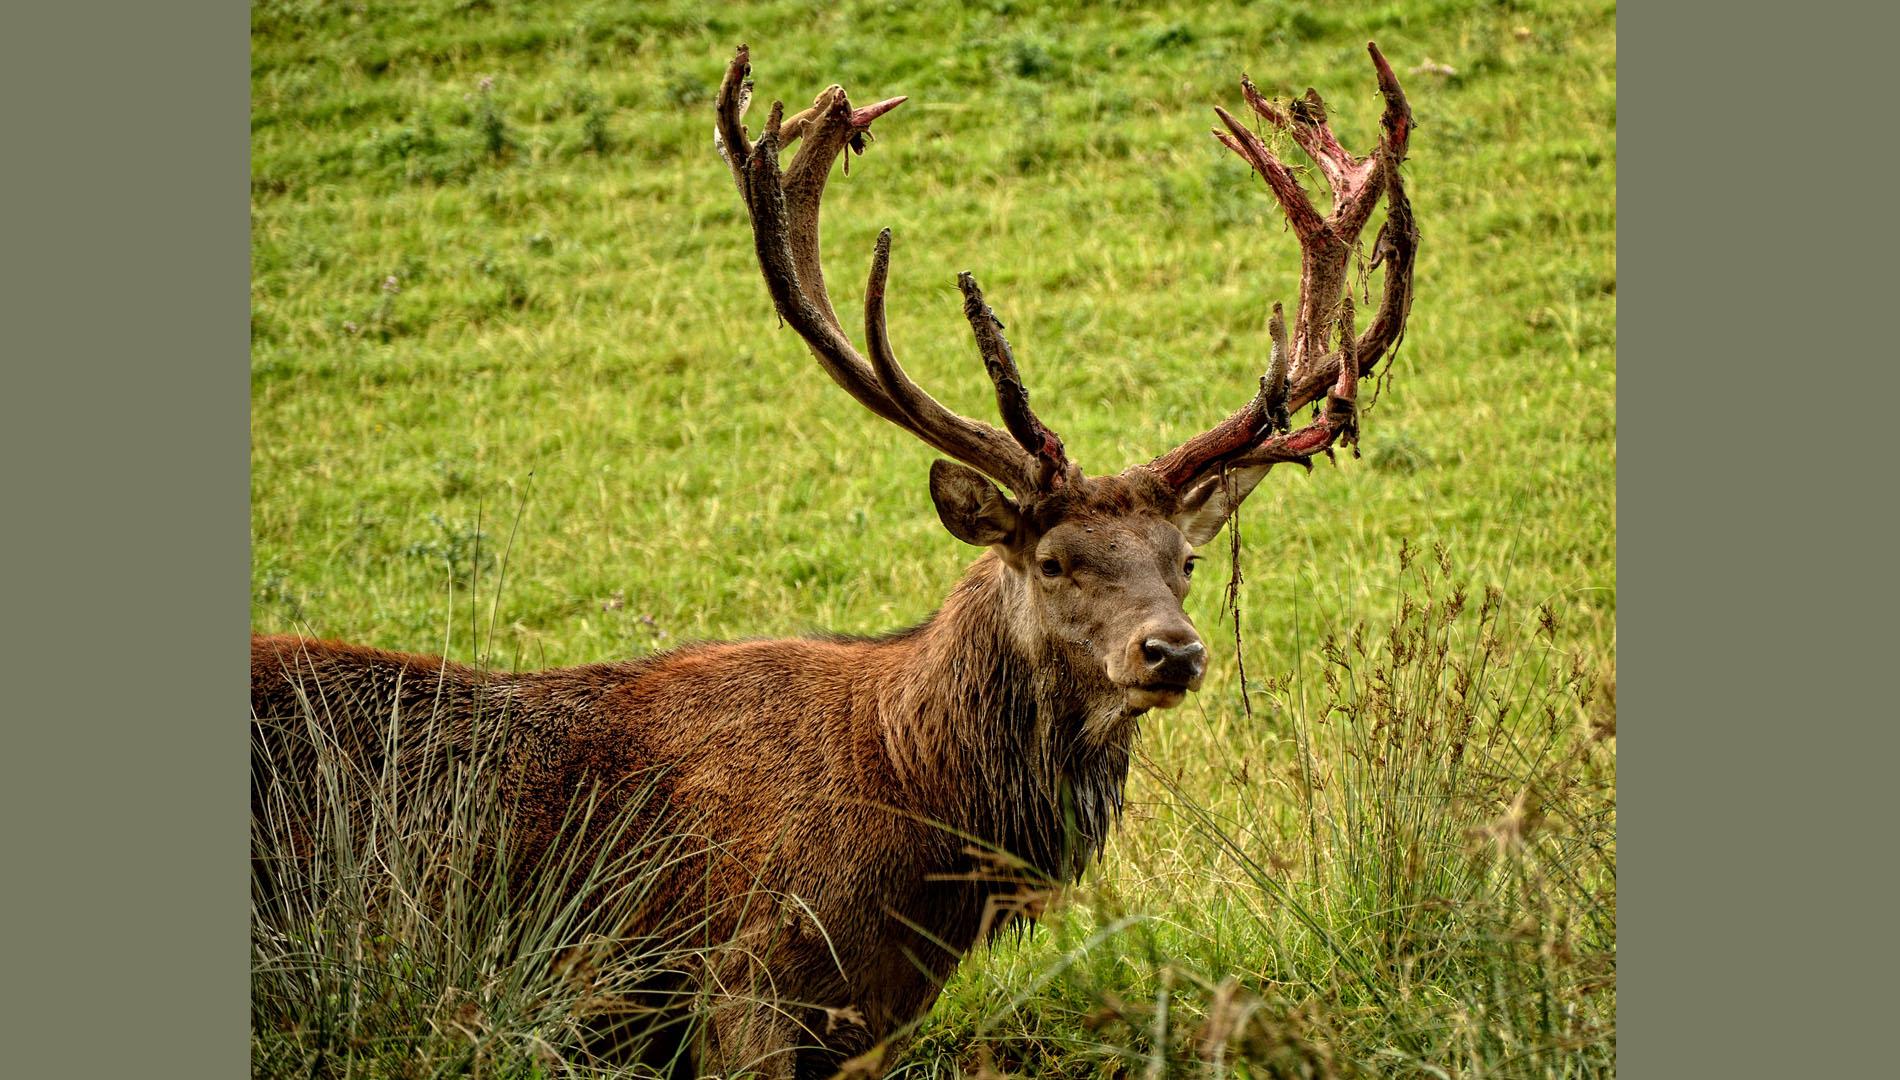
1187 568
1051 568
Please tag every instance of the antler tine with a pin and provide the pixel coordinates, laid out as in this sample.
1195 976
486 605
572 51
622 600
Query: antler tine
784 208
735 95
1305 120
828 128
766 201
930 420
1396 122
1012 397
1273 383
1249 435
1299 209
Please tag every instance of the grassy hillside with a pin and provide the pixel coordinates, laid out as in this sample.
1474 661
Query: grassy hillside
519 396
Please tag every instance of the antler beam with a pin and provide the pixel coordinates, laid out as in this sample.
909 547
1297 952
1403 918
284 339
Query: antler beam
784 208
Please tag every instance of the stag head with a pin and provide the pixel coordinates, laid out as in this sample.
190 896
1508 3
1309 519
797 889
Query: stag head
1098 567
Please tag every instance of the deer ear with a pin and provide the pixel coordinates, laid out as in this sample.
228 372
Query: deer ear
1207 505
970 506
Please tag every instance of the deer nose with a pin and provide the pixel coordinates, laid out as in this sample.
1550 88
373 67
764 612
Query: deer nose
1175 659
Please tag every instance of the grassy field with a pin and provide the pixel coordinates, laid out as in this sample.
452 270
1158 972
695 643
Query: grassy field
519 396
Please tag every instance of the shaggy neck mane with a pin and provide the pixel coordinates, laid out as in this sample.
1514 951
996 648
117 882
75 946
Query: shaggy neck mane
1001 741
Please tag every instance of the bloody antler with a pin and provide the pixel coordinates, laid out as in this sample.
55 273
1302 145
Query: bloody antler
1299 373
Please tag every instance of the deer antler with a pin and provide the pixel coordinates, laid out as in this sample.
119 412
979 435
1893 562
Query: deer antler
1256 436
784 207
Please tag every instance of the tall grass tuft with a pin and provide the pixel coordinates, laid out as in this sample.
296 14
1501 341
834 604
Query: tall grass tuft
395 933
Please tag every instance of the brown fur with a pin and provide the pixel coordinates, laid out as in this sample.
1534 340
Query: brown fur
866 778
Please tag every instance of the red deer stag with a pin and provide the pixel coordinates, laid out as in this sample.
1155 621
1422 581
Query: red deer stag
866 784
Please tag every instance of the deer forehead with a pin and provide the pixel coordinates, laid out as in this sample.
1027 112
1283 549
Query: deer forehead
1121 541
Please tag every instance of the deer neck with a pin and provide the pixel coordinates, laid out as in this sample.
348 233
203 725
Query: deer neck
1000 738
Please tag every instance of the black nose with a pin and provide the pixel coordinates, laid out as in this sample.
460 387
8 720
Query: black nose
1179 661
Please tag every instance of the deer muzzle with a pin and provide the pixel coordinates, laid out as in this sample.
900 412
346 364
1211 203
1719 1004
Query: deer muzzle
1170 664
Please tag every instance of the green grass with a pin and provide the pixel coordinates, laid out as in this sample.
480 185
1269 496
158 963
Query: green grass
506 320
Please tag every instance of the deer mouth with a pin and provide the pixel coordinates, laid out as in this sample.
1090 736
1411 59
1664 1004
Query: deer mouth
1162 695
